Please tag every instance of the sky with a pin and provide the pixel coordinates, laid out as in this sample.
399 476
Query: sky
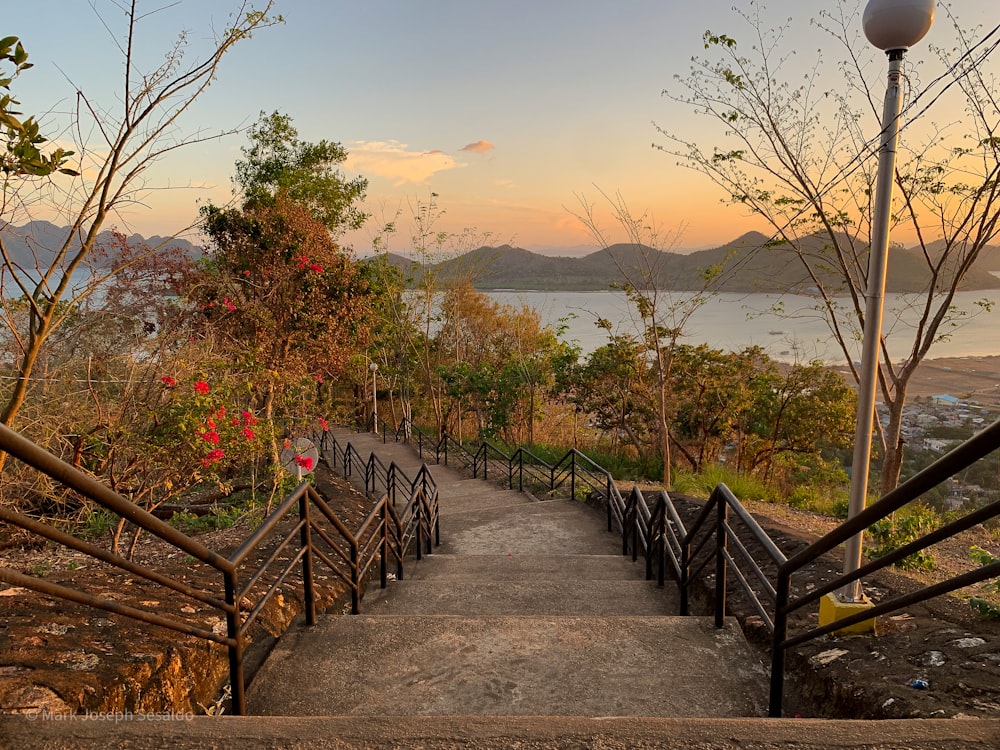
508 113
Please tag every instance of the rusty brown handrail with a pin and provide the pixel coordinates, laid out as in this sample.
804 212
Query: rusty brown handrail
389 532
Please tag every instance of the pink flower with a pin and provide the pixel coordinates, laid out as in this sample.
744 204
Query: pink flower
248 433
168 381
323 424
202 387
211 436
213 455
246 272
305 462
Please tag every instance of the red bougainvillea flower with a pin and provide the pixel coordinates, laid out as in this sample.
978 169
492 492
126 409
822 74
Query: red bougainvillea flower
168 381
214 455
248 433
249 420
246 272
323 424
305 462
202 387
316 268
211 436
229 304
302 261
210 423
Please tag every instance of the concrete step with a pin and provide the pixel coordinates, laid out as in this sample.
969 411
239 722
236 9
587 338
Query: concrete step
368 665
463 568
478 498
495 733
543 597
541 528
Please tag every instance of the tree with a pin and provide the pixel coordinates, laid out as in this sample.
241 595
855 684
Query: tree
277 163
662 315
279 296
145 131
802 157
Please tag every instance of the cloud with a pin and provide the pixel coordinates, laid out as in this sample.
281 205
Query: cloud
479 147
394 161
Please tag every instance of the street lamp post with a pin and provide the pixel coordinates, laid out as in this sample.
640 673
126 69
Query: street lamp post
893 26
374 368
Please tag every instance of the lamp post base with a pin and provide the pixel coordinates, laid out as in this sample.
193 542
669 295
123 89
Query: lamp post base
833 608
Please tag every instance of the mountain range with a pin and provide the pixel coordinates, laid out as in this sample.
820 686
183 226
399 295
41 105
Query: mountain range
748 264
34 244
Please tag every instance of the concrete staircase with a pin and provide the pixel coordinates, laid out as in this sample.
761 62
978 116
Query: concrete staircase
525 629
527 608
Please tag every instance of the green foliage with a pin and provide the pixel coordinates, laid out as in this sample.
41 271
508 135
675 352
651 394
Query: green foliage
97 522
907 525
21 138
826 501
221 517
704 482
277 163
988 608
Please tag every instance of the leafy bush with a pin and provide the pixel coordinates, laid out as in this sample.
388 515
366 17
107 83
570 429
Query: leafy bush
743 486
985 607
890 534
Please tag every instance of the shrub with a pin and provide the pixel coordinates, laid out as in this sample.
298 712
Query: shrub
890 534
985 607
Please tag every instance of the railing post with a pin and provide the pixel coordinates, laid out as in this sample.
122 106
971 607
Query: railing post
660 577
721 544
626 518
572 475
650 546
236 649
607 503
418 518
486 461
305 536
355 579
634 524
383 571
777 644
685 581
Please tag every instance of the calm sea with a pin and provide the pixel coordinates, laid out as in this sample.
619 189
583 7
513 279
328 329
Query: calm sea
734 321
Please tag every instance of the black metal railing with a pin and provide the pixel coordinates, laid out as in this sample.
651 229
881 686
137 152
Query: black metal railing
301 532
718 541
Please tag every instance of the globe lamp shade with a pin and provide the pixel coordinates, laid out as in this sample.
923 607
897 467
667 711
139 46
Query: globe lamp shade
897 24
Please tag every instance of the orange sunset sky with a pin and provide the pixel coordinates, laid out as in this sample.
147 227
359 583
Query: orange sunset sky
508 112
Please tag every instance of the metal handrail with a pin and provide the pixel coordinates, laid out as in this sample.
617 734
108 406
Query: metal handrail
387 532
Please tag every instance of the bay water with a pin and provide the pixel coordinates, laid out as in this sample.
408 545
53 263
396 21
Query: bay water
788 327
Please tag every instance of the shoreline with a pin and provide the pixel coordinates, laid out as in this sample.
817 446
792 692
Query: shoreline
972 378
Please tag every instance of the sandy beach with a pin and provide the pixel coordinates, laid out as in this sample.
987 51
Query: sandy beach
972 378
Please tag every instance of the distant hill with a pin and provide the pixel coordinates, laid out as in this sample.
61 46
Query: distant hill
747 264
35 244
